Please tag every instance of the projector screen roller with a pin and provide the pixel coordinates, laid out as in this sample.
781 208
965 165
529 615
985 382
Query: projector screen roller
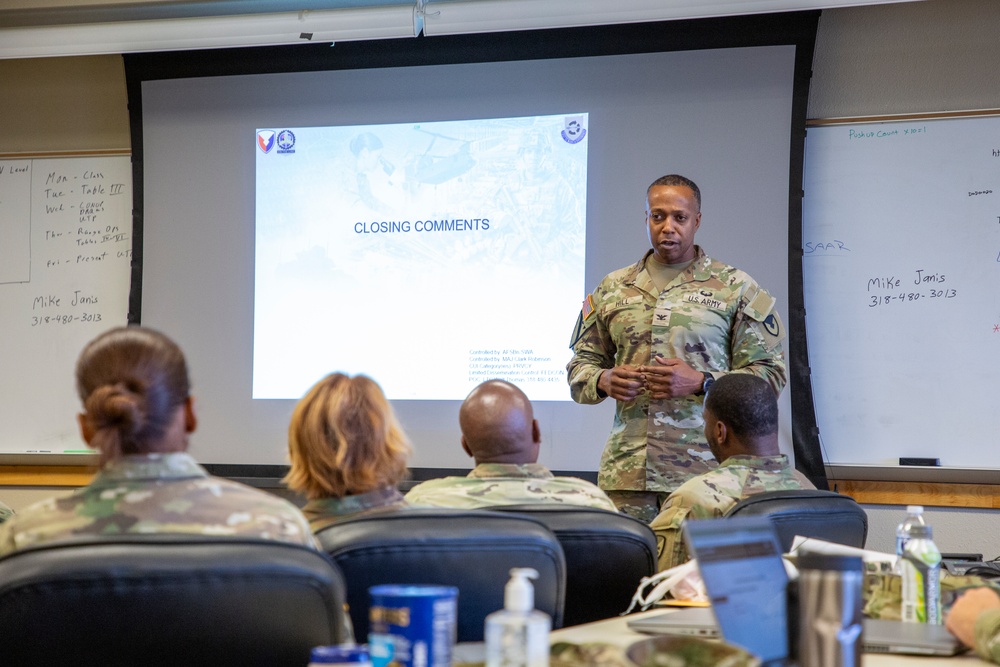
271 280
362 230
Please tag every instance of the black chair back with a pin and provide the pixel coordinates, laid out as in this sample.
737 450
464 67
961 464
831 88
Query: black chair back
473 550
825 515
607 555
168 600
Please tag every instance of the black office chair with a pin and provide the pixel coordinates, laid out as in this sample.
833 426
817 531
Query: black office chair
607 555
473 550
168 600
825 515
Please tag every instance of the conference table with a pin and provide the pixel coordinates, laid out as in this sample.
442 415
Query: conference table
615 631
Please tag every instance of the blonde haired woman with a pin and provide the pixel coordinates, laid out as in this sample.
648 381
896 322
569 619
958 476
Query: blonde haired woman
138 414
347 449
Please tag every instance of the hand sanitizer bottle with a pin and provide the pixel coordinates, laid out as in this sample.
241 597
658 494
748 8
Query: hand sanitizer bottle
518 634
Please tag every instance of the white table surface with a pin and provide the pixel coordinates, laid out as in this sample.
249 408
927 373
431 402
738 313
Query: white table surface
615 631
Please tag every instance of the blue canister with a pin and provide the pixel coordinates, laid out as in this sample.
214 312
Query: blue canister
412 626
346 655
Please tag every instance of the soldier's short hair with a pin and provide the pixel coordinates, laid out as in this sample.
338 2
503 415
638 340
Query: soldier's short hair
131 380
677 180
344 439
496 420
745 403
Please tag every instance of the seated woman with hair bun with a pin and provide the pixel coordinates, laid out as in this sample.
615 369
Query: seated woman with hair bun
348 451
138 414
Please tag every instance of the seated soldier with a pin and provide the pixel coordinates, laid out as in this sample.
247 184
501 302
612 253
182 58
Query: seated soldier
138 414
741 426
347 449
500 432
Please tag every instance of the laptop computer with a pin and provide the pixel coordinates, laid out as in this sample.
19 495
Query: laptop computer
745 578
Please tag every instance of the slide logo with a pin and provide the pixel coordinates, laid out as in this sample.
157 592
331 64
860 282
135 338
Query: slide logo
286 141
573 130
265 140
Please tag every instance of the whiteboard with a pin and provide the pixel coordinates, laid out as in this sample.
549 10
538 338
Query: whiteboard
901 279
65 256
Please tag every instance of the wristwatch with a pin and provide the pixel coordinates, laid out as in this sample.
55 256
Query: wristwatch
707 382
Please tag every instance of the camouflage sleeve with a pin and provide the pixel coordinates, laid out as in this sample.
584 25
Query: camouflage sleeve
7 543
593 352
988 635
5 512
666 526
600 500
450 492
756 342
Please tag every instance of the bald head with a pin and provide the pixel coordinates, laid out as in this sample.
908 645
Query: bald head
498 424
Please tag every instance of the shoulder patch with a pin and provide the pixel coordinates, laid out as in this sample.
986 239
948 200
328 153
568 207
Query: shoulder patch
771 330
764 319
583 321
760 305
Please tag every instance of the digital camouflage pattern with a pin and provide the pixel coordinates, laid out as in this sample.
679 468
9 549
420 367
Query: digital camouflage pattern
641 505
883 592
656 652
5 512
988 635
491 484
883 598
714 493
325 512
682 651
157 493
714 317
568 654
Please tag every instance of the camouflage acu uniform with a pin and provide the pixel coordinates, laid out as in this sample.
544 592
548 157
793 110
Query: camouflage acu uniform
712 316
883 598
988 635
713 494
5 512
491 484
157 493
325 512
883 592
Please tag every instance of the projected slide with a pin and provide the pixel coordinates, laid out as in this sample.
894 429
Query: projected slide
430 256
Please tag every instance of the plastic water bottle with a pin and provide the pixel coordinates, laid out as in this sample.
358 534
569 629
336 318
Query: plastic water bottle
921 572
914 517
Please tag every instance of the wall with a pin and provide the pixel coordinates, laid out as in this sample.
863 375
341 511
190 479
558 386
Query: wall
59 104
955 529
936 55
63 104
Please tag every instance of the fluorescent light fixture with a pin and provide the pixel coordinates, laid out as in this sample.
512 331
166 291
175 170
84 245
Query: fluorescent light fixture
450 17
381 22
